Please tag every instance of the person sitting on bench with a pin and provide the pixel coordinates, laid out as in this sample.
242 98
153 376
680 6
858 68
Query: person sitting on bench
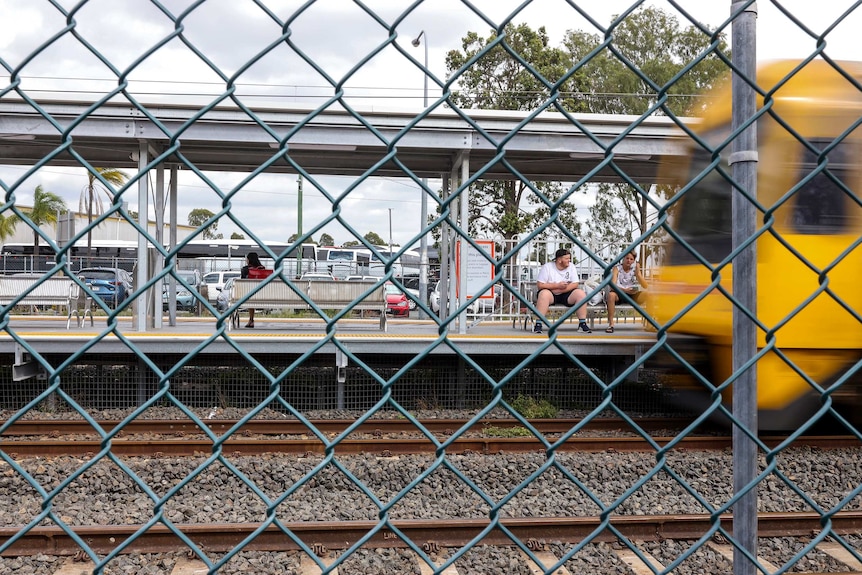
557 283
625 278
250 271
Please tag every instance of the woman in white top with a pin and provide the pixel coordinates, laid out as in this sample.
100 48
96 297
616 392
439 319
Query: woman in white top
625 278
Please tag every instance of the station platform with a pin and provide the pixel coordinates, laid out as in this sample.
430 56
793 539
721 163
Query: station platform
404 336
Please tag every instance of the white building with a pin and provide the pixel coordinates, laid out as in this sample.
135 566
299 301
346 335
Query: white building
111 229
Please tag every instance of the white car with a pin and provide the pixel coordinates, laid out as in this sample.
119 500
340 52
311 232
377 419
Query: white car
415 294
434 302
216 280
317 276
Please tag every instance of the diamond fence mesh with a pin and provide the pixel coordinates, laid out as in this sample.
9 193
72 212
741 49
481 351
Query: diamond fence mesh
146 105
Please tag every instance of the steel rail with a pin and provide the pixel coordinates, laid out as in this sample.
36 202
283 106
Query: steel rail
295 427
429 534
383 447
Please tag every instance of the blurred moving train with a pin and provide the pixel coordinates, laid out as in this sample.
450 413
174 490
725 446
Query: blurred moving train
809 260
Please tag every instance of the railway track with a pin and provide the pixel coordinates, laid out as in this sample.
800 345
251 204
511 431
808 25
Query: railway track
429 534
337 426
381 437
438 538
522 539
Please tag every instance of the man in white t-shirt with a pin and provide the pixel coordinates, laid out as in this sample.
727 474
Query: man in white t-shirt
557 283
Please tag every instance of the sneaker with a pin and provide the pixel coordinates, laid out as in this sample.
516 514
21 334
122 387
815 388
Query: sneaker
537 327
582 326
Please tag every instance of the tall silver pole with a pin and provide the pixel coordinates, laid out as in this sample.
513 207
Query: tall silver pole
464 205
299 223
172 240
390 233
159 235
423 202
141 307
743 160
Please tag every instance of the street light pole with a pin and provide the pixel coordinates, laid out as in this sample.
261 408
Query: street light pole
423 210
299 223
390 233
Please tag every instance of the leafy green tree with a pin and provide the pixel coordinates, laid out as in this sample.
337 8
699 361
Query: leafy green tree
293 237
374 239
237 236
350 244
657 49
499 81
326 240
46 206
7 226
198 217
91 198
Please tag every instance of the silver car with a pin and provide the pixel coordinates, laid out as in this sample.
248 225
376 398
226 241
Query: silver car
185 298
223 297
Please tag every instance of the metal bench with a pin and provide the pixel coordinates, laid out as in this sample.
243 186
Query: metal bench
524 317
38 290
277 294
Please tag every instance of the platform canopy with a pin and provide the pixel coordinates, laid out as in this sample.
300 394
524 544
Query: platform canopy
500 144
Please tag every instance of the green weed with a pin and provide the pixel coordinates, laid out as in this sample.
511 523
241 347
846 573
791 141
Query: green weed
531 408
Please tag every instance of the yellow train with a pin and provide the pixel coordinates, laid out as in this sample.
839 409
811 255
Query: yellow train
814 217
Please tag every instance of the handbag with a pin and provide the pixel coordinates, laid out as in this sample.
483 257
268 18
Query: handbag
258 273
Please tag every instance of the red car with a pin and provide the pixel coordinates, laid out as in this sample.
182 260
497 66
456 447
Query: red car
396 302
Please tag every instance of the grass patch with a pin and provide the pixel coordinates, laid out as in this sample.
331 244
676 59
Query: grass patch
494 431
533 408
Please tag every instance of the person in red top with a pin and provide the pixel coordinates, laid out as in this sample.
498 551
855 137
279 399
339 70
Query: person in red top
252 263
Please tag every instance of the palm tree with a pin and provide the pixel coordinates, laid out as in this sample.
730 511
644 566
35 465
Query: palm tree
91 201
7 226
46 206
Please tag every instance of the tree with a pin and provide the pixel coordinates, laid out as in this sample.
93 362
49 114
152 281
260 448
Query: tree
7 226
658 49
293 237
596 80
46 206
91 201
198 217
499 81
326 240
375 240
237 236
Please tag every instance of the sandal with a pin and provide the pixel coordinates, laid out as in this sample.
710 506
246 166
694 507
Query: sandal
610 329
250 324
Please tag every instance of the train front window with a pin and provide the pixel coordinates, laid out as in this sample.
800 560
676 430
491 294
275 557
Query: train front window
821 205
704 217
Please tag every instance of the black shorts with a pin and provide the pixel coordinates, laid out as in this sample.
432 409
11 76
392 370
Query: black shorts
562 298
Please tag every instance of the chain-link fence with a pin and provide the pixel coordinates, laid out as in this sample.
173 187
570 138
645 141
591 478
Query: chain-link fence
265 119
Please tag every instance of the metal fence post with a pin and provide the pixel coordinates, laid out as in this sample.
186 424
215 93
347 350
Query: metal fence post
743 160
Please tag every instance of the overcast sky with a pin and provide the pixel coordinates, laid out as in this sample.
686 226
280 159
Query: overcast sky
337 35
